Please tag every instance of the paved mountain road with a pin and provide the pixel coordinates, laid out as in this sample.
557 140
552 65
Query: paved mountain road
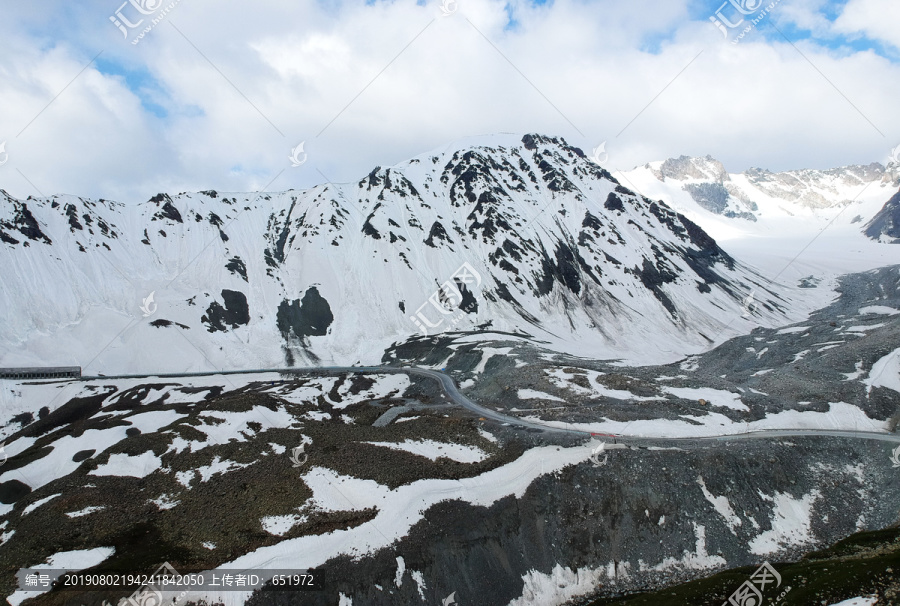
453 393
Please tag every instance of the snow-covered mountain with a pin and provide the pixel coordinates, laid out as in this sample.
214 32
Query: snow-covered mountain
886 224
523 236
704 185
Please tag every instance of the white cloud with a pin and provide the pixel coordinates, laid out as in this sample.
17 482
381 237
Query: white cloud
875 19
299 64
806 14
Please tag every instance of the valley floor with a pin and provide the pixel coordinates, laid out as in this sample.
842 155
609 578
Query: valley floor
399 487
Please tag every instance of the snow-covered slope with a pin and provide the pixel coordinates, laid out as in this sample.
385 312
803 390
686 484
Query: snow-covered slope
703 186
520 235
886 223
801 227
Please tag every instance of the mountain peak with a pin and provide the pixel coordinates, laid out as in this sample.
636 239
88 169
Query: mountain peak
685 168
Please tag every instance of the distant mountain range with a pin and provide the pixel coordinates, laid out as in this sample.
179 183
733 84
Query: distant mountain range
855 192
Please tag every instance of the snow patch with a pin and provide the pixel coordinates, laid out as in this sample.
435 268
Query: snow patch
791 523
165 501
401 569
531 394
859 601
420 582
716 397
885 372
852 376
879 309
792 330
863 328
139 466
430 449
280 525
699 559
405 419
561 584
85 511
840 416
38 503
722 507
207 471
487 435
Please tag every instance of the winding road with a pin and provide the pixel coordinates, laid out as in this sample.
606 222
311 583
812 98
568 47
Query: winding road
457 397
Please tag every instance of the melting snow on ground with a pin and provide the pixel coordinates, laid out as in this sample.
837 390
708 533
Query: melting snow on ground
840 416
139 466
879 309
563 584
722 506
397 511
280 525
699 559
430 449
487 353
222 426
791 523
564 380
58 462
885 372
487 435
38 503
86 511
792 330
208 471
863 328
531 394
385 385
715 397
165 501
860 601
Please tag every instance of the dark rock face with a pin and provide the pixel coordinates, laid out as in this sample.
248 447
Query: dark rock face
714 198
23 222
13 490
887 221
368 228
163 323
437 233
653 276
685 167
168 210
72 214
711 196
83 455
236 312
613 202
308 317
236 266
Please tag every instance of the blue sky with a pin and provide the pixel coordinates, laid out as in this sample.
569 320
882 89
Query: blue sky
216 95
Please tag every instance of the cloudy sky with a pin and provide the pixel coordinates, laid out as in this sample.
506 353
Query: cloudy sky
216 94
